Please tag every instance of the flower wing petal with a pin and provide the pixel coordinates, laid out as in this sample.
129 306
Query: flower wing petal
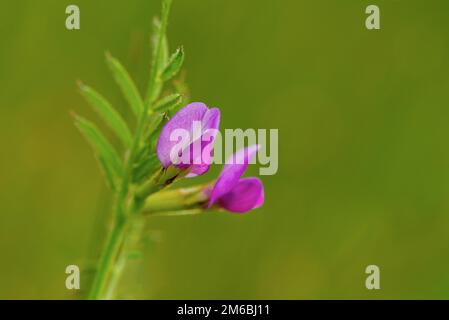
247 195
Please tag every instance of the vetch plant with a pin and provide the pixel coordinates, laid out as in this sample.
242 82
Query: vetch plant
229 191
153 158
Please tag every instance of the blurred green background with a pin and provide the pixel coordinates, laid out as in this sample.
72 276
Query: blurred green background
363 162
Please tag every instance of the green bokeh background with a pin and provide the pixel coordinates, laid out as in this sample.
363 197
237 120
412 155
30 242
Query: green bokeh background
363 161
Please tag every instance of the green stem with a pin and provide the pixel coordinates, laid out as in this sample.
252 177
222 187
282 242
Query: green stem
133 233
114 242
110 252
123 209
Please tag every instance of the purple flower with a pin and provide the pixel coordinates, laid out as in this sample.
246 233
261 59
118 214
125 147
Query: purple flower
186 140
233 193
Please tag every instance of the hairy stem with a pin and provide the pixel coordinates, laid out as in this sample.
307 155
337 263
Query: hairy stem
110 252
105 280
133 233
154 81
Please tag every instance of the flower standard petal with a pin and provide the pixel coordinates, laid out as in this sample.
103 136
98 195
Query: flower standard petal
183 119
190 118
211 119
248 194
202 158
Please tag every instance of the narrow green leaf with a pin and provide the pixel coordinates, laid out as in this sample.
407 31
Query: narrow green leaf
145 168
164 52
155 128
174 65
126 84
159 59
111 179
181 86
104 151
155 84
163 57
108 113
154 122
146 160
168 103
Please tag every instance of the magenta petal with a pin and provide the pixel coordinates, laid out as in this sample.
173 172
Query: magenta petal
211 119
261 200
232 171
201 160
183 119
248 194
197 170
